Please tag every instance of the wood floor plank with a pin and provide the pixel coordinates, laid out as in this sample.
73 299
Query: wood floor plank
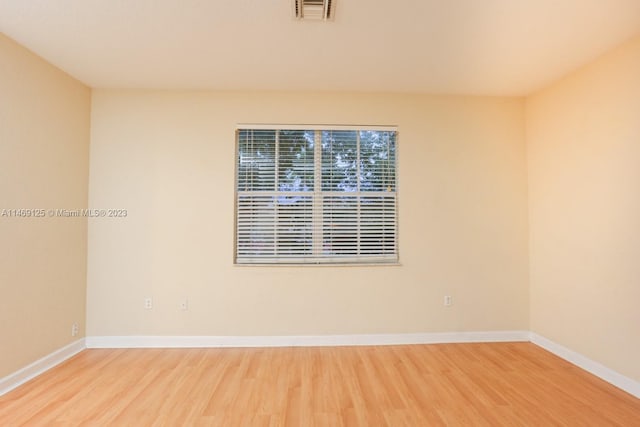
495 384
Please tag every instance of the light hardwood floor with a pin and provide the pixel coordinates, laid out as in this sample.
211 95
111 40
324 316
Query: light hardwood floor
516 384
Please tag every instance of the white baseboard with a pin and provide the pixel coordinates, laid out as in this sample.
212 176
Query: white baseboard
609 375
27 373
18 378
301 341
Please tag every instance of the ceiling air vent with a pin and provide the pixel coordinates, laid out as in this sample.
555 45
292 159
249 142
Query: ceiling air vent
313 10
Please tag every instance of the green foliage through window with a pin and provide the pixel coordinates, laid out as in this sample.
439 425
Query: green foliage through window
316 196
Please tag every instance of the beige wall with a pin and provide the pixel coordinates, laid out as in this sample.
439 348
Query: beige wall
168 158
583 137
44 159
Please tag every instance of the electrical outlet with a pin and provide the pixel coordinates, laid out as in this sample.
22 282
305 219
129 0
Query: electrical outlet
74 330
184 304
148 303
448 300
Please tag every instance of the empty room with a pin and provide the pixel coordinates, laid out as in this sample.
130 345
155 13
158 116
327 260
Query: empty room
320 212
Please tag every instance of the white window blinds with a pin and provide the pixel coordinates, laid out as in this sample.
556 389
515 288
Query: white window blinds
316 195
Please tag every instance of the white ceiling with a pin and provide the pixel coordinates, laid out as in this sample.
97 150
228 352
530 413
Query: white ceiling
490 47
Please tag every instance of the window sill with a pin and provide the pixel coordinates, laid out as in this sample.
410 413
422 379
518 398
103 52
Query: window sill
321 265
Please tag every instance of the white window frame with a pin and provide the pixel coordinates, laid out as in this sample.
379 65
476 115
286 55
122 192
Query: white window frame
318 258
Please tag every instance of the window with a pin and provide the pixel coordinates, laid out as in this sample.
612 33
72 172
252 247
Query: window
316 195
